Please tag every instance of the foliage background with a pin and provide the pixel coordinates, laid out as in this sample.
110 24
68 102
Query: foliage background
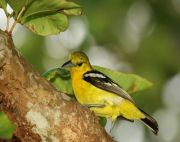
136 36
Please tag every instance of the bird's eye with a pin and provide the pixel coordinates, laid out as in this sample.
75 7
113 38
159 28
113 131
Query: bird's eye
79 64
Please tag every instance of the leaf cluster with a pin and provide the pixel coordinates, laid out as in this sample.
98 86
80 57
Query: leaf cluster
43 17
132 83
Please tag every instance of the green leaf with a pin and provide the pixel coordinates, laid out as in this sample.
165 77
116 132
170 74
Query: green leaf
48 24
33 7
6 127
61 79
44 17
44 6
102 121
3 4
130 82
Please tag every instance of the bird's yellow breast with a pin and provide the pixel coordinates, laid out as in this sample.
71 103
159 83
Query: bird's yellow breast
86 93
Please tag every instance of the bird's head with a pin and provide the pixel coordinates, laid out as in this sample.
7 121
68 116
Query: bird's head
77 60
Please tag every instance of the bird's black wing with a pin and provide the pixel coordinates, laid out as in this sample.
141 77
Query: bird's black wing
102 81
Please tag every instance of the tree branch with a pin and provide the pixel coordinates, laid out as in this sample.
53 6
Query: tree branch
38 110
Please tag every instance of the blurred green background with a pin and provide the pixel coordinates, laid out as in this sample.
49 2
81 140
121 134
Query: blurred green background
136 36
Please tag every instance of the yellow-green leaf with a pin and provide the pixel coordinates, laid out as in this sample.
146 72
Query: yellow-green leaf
48 24
130 82
45 6
61 79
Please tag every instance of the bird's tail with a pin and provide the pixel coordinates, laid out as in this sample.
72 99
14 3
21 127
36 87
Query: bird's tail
150 123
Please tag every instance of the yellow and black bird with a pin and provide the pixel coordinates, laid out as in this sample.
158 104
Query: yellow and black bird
105 97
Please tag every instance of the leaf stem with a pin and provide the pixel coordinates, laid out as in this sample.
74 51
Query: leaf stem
17 19
12 27
7 25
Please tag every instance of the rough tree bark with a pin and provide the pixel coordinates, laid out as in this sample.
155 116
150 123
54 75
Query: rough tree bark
37 108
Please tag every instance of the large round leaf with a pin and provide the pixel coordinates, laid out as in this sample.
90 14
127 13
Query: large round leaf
44 6
48 24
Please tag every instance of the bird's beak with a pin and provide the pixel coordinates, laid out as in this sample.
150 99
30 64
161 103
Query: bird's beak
68 64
